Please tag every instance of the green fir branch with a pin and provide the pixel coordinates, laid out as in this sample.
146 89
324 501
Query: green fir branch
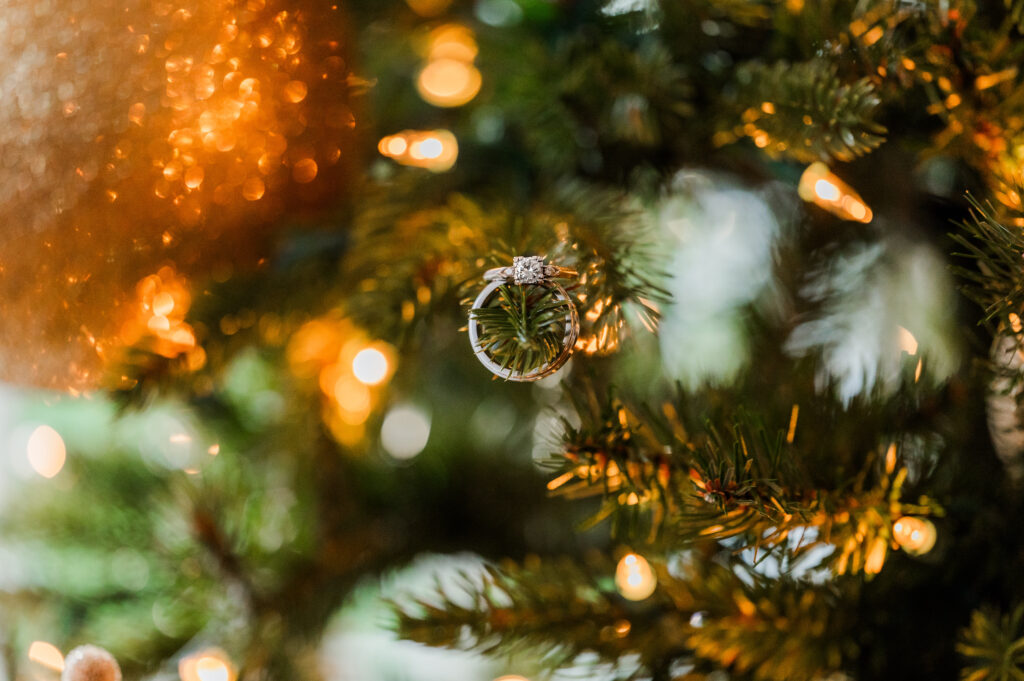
805 112
701 613
994 646
996 255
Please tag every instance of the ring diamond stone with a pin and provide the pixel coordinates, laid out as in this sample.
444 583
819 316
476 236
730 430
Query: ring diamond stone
527 269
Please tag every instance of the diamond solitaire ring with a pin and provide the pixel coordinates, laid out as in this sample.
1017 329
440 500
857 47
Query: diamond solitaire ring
529 330
528 269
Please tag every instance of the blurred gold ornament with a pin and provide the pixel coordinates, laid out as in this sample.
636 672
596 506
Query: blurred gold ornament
140 133
822 187
915 535
90 663
435 150
634 577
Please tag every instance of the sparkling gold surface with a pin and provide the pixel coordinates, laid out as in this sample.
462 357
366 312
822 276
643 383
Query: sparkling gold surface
141 133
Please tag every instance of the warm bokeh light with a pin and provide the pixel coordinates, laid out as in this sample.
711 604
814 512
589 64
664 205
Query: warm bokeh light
875 556
347 367
826 191
822 187
370 366
511 677
634 577
405 431
428 8
163 301
46 654
208 665
354 398
453 41
46 451
435 150
908 343
915 535
448 82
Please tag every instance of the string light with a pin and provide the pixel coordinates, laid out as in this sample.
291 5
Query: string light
448 82
634 577
47 655
46 451
449 77
915 535
822 187
435 150
875 557
212 664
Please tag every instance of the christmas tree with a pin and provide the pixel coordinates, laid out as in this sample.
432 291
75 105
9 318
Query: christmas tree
518 339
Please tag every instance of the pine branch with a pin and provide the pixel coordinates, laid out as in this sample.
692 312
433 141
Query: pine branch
994 280
804 112
664 482
440 251
705 614
994 646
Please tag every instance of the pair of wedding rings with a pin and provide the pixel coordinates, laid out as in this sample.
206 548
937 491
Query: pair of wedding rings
526 271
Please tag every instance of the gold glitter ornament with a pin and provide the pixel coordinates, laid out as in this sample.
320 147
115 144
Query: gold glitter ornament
90 663
141 133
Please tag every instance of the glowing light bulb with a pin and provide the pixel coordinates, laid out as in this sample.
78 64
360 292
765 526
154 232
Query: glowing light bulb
915 535
208 665
430 148
212 669
822 187
47 655
46 451
393 146
875 558
370 366
435 150
634 577
826 190
448 82
453 41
